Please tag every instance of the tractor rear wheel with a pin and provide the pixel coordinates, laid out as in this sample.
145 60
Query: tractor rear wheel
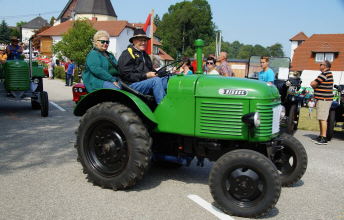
114 147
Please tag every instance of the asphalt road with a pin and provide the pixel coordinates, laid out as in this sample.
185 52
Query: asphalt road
41 179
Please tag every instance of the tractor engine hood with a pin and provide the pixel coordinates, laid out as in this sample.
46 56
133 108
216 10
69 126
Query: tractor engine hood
234 88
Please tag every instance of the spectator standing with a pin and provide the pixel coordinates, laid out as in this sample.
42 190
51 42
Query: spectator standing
224 69
267 74
13 50
3 56
51 66
70 73
187 68
311 105
65 65
323 93
210 66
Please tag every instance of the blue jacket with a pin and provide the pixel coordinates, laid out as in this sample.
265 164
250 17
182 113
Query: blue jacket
99 69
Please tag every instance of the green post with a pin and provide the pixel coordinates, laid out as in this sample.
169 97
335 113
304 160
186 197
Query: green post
199 48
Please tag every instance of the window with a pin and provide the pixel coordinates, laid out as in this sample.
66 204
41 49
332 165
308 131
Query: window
329 57
320 57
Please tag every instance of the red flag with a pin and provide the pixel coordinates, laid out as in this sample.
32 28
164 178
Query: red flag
148 28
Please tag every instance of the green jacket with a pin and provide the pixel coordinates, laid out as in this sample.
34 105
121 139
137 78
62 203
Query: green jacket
99 69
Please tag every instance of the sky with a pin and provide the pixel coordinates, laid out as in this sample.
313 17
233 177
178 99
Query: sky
263 22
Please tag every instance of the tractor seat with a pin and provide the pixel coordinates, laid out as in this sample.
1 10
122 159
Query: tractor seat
148 99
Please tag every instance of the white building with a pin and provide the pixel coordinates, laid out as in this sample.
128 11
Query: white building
28 29
308 52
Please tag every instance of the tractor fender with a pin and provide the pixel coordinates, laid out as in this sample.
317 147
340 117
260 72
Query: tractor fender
334 105
112 95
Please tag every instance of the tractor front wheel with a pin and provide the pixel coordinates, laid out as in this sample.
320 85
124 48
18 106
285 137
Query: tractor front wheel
245 183
44 104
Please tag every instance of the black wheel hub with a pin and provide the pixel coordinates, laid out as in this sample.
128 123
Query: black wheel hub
244 185
107 151
285 161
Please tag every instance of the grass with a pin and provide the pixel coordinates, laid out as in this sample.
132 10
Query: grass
310 122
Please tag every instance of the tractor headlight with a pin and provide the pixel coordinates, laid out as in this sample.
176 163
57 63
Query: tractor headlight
80 90
282 112
36 81
251 119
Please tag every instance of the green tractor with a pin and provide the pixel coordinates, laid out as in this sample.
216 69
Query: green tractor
231 121
20 79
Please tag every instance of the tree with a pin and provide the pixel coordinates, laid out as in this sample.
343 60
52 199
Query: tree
259 50
52 20
245 52
157 20
5 33
184 23
276 50
20 24
234 49
77 42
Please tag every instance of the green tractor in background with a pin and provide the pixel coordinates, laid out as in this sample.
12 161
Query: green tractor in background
20 79
232 121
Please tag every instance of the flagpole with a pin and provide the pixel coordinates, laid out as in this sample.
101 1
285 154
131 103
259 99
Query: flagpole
151 33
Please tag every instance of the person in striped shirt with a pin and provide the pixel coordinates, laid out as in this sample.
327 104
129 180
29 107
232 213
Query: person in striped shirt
323 93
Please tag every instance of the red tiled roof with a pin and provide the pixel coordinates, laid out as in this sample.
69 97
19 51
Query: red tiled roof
304 55
114 28
299 36
164 56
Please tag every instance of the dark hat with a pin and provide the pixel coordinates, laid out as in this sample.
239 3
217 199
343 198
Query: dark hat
139 32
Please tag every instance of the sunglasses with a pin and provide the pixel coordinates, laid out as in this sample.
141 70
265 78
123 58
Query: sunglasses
211 63
104 41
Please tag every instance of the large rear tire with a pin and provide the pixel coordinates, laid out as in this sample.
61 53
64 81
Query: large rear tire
331 122
245 183
114 147
291 160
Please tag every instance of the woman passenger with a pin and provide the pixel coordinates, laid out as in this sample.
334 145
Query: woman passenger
101 66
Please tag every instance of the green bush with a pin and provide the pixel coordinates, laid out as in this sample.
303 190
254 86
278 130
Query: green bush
59 72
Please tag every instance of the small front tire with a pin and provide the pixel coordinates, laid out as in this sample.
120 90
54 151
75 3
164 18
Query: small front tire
44 104
245 183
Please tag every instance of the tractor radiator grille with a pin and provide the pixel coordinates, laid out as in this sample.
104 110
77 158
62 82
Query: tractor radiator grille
266 119
221 118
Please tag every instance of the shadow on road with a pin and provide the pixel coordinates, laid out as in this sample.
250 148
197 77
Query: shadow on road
31 141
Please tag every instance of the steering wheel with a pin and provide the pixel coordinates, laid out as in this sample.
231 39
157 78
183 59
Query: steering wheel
162 72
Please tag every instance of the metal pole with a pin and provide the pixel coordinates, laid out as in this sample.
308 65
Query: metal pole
30 57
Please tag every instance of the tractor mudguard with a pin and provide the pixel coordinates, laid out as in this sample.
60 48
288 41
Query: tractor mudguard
334 105
111 95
